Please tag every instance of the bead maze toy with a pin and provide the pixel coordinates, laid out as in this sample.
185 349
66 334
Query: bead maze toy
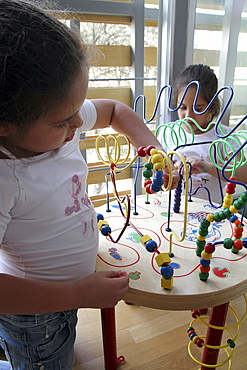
183 245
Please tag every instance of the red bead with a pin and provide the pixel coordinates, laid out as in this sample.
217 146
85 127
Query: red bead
148 148
230 185
191 332
233 178
147 182
112 166
209 248
237 222
230 191
199 342
149 190
237 235
204 269
238 244
195 313
141 151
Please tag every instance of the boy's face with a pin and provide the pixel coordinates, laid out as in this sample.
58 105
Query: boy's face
186 110
57 128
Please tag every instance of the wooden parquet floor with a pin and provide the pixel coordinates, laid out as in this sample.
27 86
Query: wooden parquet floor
152 339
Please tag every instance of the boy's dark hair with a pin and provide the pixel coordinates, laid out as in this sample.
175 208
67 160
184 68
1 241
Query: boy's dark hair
208 84
39 59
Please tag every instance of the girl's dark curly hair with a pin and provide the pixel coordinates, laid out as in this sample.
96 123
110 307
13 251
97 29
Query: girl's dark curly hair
39 59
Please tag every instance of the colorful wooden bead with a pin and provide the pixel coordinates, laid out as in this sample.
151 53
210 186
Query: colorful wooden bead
151 246
162 259
166 271
167 283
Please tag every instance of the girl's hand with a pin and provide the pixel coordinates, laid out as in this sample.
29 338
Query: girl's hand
198 166
103 289
175 178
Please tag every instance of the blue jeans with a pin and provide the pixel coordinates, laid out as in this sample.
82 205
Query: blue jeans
39 342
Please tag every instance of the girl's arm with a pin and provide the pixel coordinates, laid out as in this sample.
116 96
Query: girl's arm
23 297
125 121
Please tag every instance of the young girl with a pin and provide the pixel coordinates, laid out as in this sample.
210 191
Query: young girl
48 228
202 169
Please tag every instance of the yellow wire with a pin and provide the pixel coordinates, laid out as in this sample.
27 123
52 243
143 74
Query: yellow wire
212 366
116 152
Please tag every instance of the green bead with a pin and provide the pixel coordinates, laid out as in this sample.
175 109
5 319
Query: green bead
203 276
237 204
231 343
217 217
234 251
201 244
228 242
147 173
190 328
243 197
205 223
222 215
149 166
227 213
203 232
199 252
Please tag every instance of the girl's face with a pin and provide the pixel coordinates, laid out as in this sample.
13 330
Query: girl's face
57 128
186 110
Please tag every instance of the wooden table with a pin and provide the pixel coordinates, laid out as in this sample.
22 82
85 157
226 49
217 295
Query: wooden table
227 279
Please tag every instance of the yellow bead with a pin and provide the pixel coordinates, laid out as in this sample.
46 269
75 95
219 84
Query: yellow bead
227 201
153 151
228 196
206 256
102 223
162 259
159 166
144 239
157 158
210 217
201 238
233 209
167 283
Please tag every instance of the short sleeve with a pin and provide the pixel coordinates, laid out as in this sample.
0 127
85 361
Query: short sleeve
88 114
9 195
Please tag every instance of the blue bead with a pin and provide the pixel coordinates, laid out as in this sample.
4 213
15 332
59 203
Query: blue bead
166 271
159 174
233 218
158 182
205 263
155 188
245 242
99 217
192 335
105 230
151 246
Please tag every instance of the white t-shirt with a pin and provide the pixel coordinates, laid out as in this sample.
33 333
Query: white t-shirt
201 152
48 227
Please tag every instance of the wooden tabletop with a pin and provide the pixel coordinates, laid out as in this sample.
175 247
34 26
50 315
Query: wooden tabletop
228 274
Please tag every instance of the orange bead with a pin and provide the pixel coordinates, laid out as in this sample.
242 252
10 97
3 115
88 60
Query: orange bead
237 222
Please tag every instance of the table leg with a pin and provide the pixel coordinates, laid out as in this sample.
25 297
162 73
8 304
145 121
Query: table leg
214 336
109 339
